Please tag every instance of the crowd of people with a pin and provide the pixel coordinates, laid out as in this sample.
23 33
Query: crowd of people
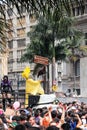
67 116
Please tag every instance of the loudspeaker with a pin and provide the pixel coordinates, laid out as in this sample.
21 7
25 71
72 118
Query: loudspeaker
33 100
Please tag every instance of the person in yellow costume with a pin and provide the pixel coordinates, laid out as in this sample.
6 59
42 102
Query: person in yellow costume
33 87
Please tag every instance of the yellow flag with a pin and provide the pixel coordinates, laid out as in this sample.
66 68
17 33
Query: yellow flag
26 73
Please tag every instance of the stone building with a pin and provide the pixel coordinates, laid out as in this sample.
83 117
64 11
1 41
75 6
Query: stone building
18 39
76 84
17 42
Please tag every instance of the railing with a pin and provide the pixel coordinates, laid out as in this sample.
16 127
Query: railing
16 96
34 99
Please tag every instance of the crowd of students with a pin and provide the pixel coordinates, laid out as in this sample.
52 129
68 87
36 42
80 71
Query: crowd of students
67 116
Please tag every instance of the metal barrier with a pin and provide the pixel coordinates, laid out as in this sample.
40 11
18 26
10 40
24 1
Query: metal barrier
20 96
16 97
71 99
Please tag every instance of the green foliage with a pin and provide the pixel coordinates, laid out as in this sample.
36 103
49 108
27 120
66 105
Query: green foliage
44 35
2 35
54 24
51 38
47 6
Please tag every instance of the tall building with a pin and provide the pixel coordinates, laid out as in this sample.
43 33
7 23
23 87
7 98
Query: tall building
72 75
3 47
68 76
17 41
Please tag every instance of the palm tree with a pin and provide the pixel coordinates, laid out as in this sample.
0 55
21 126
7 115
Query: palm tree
46 39
49 39
4 26
43 6
2 30
54 11
47 8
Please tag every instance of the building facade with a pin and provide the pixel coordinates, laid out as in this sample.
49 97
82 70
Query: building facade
17 42
68 76
72 79
3 45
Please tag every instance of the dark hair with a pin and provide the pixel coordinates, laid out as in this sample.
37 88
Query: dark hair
59 115
52 128
22 118
27 125
9 105
34 128
66 126
17 118
20 127
5 77
56 120
36 113
54 113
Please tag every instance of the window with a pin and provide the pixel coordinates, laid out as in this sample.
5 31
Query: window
20 53
10 44
21 43
85 38
22 83
10 61
86 9
32 18
78 91
21 32
10 58
22 9
10 67
10 24
20 65
77 68
10 55
77 11
83 9
21 21
10 34
74 11
10 12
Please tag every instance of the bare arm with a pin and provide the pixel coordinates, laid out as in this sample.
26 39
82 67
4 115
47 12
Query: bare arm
62 116
79 121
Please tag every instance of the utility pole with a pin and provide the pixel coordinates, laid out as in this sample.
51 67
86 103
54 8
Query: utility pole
17 87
